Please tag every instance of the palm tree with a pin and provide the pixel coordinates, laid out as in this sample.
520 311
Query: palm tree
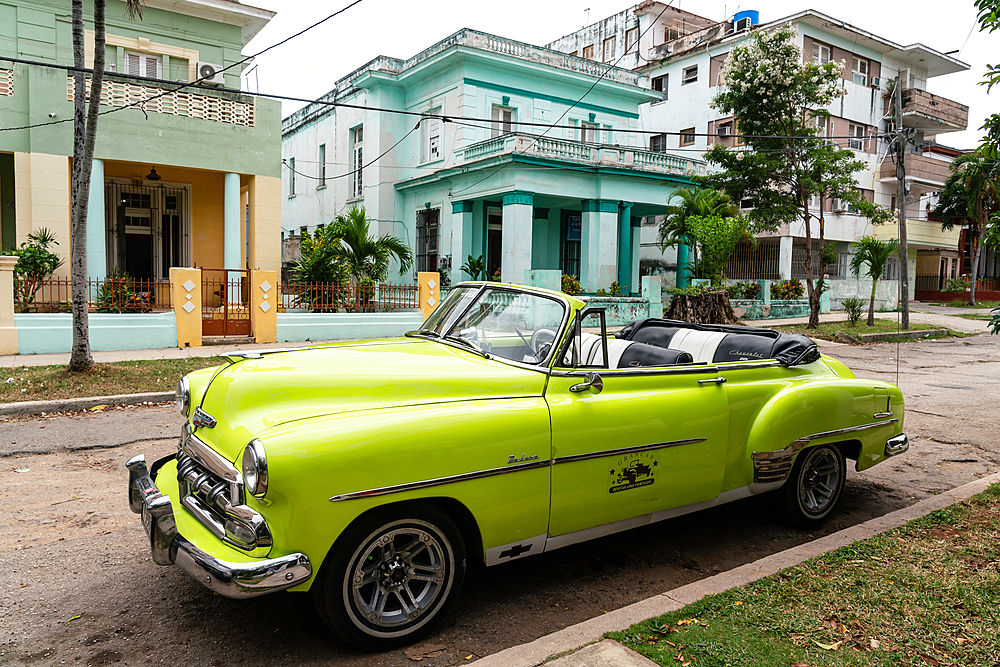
873 253
674 229
366 257
971 196
84 138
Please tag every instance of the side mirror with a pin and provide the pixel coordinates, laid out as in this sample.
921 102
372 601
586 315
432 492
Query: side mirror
594 383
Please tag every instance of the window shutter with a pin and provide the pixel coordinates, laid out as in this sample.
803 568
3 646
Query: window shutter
132 67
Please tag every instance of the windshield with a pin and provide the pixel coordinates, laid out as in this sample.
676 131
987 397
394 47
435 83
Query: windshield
520 326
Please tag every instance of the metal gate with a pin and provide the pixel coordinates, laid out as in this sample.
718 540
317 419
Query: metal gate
225 302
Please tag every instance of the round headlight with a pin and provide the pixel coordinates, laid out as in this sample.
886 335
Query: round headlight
183 395
255 468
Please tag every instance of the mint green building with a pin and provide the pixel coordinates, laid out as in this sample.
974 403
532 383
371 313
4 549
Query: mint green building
490 178
191 179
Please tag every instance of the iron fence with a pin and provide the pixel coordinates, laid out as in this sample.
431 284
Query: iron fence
749 263
936 283
349 297
799 265
104 295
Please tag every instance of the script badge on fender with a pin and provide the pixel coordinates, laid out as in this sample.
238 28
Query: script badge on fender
631 471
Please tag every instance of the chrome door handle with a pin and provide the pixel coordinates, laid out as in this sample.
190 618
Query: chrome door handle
718 380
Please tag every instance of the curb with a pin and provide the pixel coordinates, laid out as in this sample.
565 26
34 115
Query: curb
64 404
572 638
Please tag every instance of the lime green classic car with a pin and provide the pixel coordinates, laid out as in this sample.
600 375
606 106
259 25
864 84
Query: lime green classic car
510 424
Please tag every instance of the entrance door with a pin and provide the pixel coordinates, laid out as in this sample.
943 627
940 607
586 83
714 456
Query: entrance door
494 242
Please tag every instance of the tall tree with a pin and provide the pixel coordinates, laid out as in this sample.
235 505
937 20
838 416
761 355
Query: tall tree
872 253
776 98
85 114
971 197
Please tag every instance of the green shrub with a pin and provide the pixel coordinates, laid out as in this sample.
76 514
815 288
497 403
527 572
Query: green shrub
743 290
602 292
959 284
853 306
787 289
571 284
615 289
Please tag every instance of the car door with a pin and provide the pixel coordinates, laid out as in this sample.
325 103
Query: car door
651 439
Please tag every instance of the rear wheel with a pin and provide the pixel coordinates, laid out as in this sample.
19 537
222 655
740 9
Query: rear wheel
814 485
391 577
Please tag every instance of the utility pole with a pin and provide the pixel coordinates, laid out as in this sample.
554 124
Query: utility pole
904 268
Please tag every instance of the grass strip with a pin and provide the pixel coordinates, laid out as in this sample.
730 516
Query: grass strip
927 593
828 330
36 383
965 304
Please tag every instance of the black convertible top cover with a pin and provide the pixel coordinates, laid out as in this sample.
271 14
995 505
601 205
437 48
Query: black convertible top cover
741 343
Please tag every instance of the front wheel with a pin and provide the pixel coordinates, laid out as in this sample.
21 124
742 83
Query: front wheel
814 485
391 577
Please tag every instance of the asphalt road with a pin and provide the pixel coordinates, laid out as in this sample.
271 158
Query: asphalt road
81 589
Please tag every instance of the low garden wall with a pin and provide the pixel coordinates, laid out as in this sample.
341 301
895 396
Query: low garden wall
620 310
48 333
296 327
754 309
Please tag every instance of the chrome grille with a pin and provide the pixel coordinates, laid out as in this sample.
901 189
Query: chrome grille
195 480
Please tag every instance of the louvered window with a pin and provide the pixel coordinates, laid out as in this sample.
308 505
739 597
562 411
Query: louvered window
821 53
142 64
358 136
609 49
432 134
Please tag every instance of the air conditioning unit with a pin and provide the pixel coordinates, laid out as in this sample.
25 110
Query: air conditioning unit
724 130
211 73
743 24
876 82
838 205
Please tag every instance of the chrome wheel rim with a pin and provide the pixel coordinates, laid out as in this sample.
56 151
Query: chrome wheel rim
819 481
399 577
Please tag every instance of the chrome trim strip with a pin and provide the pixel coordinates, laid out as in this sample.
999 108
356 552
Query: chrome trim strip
586 534
740 365
775 466
624 450
690 369
438 481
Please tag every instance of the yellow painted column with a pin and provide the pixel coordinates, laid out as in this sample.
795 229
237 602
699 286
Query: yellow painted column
8 332
264 197
264 306
429 293
42 199
185 285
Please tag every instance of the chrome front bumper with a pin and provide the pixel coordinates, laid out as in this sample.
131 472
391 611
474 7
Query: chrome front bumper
168 547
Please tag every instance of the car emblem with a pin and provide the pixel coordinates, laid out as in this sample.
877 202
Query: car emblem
202 419
524 457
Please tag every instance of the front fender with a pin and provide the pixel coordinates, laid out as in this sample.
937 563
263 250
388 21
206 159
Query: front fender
315 460
817 412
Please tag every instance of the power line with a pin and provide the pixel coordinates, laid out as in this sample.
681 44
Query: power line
182 85
332 178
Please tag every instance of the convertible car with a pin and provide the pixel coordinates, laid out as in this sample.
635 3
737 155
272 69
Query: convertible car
510 424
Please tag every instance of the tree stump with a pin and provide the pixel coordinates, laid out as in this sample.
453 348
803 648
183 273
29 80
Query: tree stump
710 307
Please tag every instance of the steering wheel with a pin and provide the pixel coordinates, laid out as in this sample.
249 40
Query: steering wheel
541 342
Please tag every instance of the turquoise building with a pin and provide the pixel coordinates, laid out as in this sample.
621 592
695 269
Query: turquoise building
452 151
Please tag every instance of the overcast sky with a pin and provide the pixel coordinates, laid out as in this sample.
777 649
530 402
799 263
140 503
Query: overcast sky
309 65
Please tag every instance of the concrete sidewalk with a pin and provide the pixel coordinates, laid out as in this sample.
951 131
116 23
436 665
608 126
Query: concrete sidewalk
608 652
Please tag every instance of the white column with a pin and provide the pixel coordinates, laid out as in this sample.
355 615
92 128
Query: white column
461 238
516 252
636 251
231 210
785 257
97 261
599 244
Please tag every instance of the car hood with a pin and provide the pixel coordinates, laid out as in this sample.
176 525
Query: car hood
255 394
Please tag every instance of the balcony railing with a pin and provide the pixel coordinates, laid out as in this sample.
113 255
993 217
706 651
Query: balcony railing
6 82
576 151
930 112
219 107
918 167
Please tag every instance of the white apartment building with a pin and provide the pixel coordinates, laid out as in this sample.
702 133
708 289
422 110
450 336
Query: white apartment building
683 54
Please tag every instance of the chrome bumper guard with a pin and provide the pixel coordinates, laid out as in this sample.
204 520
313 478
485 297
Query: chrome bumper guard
232 580
897 445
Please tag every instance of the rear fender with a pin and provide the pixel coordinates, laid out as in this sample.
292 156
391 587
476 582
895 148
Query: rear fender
820 412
